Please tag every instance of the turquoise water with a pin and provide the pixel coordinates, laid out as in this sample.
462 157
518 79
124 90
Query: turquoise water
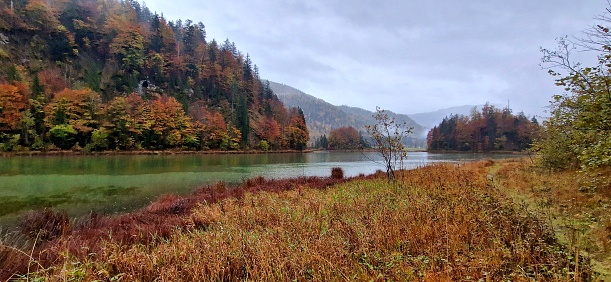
110 184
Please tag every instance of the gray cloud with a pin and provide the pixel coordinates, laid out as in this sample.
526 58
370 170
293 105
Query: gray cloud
406 56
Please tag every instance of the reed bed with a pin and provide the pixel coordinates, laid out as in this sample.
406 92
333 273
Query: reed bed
437 223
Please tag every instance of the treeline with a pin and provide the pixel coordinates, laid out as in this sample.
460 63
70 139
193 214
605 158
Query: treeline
109 74
343 138
483 131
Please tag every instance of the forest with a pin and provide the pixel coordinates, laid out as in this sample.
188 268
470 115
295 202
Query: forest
92 75
490 129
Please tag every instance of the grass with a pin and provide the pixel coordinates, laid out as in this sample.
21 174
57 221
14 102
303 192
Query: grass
577 205
437 223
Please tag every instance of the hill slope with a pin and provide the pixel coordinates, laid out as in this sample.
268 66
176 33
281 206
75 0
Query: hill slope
113 75
431 119
322 117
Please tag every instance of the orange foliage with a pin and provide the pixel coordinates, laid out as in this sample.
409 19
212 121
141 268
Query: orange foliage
13 100
78 108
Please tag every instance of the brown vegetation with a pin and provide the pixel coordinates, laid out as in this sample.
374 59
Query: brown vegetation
441 222
156 222
576 204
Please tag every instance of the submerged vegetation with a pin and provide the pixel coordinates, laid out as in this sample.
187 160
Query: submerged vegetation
441 222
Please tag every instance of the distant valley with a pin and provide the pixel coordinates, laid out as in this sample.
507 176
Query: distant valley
322 117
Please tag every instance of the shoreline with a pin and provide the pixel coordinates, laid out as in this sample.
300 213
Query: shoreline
143 153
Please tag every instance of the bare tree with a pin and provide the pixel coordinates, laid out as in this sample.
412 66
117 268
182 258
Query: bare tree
387 135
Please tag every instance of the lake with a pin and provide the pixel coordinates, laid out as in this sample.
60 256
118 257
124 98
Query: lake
110 184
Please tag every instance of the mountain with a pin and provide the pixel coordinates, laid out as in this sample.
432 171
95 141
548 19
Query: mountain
112 75
322 117
431 119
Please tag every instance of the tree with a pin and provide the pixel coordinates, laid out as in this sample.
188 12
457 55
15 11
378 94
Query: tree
344 138
578 132
12 103
78 108
297 132
387 138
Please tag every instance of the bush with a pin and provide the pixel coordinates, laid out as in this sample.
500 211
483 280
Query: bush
62 136
264 145
337 173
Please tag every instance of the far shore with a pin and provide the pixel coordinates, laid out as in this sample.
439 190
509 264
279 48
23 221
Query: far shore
143 152
221 152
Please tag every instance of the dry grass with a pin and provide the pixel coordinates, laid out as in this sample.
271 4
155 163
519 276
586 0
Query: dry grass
438 223
577 206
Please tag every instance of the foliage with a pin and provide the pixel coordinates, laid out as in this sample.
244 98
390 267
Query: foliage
581 217
84 60
387 138
344 138
578 133
62 136
297 135
486 130
455 227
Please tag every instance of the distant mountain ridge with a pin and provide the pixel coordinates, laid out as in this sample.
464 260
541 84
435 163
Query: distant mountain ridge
431 119
434 118
322 117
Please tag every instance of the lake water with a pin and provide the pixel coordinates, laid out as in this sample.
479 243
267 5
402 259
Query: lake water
109 184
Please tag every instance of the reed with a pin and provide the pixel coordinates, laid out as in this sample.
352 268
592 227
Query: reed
441 222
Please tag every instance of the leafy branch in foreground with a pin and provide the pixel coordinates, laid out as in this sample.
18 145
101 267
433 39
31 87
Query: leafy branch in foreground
578 132
387 135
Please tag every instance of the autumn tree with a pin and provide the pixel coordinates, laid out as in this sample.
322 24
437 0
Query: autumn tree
387 136
13 106
297 132
115 48
344 138
483 131
128 47
72 116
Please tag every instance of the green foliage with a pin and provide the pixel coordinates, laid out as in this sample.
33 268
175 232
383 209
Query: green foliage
62 136
99 140
9 142
264 145
578 133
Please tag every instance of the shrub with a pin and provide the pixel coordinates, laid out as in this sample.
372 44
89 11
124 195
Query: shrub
337 173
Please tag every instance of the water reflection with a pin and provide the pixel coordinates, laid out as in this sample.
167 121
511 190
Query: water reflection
106 184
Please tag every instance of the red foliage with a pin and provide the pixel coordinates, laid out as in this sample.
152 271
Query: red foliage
156 221
344 138
53 81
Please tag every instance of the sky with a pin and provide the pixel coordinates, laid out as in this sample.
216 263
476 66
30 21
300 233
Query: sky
407 56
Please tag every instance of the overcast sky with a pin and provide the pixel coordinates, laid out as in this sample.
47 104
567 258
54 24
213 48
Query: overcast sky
407 56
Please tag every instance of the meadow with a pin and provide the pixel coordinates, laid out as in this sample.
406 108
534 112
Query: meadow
443 222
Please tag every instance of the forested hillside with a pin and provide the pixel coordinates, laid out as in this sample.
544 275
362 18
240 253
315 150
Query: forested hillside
483 131
110 74
323 117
